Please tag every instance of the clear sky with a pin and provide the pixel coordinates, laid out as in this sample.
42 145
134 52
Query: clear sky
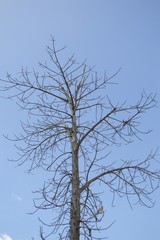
109 34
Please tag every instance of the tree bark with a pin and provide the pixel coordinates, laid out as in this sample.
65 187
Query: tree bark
75 200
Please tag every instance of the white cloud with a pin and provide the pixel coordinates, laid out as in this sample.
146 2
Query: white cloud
16 197
5 237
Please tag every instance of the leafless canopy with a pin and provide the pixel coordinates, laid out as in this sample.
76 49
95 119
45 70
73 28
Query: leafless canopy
72 125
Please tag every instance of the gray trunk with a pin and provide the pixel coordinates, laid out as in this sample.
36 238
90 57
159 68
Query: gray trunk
75 200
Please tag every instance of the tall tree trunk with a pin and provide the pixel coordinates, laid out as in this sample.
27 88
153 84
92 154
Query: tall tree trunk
75 200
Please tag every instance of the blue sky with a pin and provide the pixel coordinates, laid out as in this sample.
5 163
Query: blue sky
108 33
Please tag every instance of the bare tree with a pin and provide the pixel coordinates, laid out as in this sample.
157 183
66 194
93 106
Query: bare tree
72 123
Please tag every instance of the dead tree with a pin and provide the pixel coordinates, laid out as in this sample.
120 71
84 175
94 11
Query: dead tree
71 126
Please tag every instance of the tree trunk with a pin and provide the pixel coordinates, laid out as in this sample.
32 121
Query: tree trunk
75 200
